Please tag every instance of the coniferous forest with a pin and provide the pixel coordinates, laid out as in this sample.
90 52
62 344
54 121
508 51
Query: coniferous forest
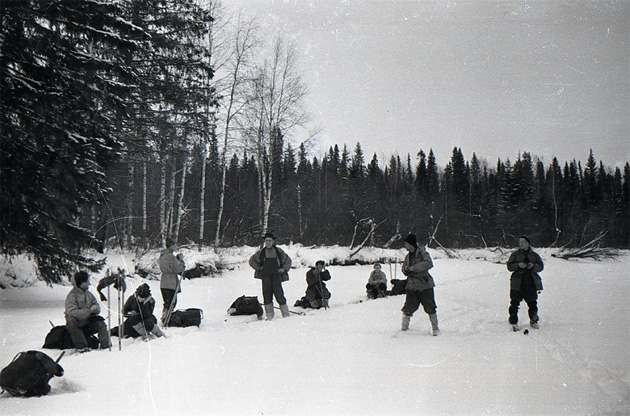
125 123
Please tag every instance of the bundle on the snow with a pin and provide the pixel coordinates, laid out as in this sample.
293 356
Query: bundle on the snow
59 338
186 317
28 374
398 287
246 305
302 303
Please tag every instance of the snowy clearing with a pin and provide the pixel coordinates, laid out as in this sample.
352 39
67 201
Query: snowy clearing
350 359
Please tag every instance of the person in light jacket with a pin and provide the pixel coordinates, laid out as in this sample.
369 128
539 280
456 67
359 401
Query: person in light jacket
271 265
171 266
377 283
525 282
420 284
82 314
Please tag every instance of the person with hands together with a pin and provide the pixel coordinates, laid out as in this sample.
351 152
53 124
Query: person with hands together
271 265
525 282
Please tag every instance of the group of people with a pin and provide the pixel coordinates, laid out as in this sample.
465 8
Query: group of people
271 265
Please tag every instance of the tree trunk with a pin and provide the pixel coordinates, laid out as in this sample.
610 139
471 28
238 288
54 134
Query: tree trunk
129 205
163 219
145 234
202 197
180 202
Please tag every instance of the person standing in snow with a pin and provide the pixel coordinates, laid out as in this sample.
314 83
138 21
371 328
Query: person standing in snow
377 283
420 284
317 293
82 314
271 265
138 310
525 282
171 266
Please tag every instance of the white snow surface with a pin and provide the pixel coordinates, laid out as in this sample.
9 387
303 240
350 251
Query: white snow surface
350 359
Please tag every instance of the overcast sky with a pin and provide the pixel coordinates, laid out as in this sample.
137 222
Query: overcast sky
493 77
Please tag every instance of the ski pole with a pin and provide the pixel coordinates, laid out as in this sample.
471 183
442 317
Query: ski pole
121 329
109 319
60 356
297 313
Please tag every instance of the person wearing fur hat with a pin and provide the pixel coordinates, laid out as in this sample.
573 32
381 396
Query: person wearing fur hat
171 266
525 282
82 314
271 265
138 310
420 284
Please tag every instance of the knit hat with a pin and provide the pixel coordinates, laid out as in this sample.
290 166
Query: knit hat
411 240
80 277
143 291
269 235
526 238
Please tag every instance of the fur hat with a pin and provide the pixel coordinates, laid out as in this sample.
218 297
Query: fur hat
143 291
81 277
411 240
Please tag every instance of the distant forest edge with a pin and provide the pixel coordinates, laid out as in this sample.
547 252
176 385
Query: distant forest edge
340 199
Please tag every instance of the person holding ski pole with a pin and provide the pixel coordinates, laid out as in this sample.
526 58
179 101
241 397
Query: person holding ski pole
377 283
525 282
170 285
271 265
317 294
420 284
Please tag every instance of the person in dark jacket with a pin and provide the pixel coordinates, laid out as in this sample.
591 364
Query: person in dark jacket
82 314
271 265
317 294
377 283
171 266
525 282
420 284
138 310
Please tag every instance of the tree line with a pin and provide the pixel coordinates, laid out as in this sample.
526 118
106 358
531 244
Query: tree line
132 121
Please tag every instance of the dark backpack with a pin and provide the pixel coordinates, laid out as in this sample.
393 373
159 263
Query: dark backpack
246 305
186 317
398 287
28 374
59 338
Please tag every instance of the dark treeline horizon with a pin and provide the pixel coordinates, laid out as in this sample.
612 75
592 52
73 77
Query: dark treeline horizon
342 198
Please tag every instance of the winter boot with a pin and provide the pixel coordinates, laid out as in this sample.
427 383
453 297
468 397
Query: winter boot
158 332
269 311
325 303
434 324
285 310
405 322
534 324
139 328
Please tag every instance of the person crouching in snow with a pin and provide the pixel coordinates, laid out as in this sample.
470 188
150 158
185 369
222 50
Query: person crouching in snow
138 310
525 283
317 294
420 284
82 314
271 265
377 283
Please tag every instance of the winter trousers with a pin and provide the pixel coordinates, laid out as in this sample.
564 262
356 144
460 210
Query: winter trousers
272 287
415 298
96 325
531 298
374 291
168 296
148 323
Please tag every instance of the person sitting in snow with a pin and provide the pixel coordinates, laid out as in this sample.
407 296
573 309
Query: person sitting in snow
138 310
317 295
82 314
525 283
377 283
420 283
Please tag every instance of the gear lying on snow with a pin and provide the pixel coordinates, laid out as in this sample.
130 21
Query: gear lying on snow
28 374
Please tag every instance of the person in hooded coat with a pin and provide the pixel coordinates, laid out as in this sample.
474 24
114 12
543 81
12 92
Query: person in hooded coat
138 310
82 314
420 284
317 294
525 282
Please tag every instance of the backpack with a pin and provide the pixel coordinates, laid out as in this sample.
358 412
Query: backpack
28 374
186 317
398 287
59 338
302 303
246 305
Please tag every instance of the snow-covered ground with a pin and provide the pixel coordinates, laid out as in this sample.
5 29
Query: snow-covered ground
350 359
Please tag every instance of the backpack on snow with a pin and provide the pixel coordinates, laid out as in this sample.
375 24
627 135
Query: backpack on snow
59 338
246 305
186 317
28 374
398 287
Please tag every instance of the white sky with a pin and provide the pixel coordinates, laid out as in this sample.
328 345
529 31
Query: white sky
492 77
